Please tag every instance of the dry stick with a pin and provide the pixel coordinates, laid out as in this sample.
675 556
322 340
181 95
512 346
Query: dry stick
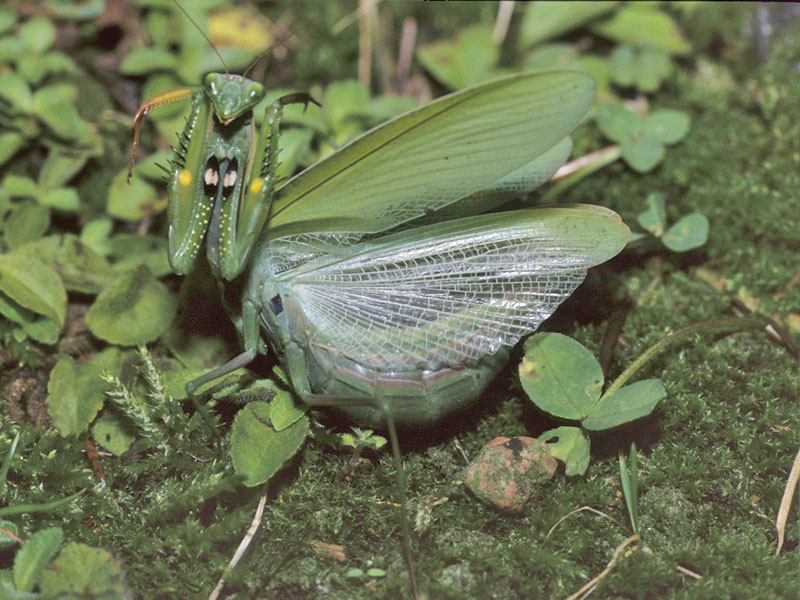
776 327
786 501
575 170
600 157
581 509
242 545
595 580
687 572
367 19
501 23
12 535
405 54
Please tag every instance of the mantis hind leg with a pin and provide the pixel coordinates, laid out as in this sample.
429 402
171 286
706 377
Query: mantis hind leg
235 363
322 400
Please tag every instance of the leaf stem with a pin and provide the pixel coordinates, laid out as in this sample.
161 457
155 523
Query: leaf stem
721 323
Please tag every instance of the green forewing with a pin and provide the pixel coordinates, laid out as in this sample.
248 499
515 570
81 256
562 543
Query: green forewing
449 292
433 156
517 183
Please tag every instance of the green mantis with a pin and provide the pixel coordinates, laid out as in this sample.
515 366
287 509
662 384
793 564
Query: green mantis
354 272
372 276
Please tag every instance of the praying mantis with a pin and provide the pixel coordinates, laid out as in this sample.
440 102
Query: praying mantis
374 276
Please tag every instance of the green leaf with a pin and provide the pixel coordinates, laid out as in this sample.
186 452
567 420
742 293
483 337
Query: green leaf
284 411
64 199
7 542
75 394
40 329
135 201
623 66
644 26
146 59
24 509
688 233
617 122
32 68
81 571
16 91
464 61
95 235
642 155
552 56
135 309
344 101
113 432
11 48
627 404
33 285
654 219
652 67
61 116
257 450
38 34
53 62
645 68
571 447
34 555
7 20
10 143
295 146
374 572
61 166
560 376
27 223
546 20
667 126
354 573
80 267
129 250
19 186
149 168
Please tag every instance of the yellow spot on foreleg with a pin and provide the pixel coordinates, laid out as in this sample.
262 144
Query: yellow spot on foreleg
256 185
184 177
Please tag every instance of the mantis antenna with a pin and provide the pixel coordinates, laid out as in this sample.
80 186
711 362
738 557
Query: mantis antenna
203 33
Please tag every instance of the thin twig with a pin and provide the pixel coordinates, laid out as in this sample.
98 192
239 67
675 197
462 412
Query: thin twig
686 571
405 54
586 160
786 501
251 532
501 23
367 22
581 509
595 580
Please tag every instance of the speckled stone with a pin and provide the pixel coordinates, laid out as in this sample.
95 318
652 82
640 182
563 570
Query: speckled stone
508 470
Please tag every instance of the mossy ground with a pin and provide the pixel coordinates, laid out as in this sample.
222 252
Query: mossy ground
714 457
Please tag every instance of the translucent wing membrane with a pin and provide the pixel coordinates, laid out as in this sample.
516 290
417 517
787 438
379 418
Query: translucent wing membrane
429 158
449 292
291 252
522 181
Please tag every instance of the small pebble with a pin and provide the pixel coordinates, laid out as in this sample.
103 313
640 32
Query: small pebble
508 470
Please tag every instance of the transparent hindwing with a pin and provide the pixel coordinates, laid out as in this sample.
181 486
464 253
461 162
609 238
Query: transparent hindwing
446 293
